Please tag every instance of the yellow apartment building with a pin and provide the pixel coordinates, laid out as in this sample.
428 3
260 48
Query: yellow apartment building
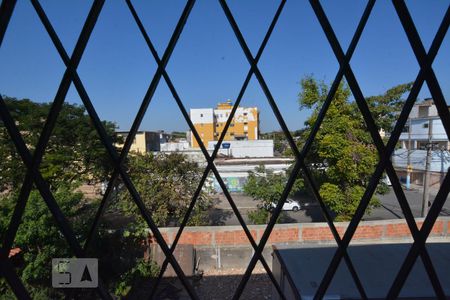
210 122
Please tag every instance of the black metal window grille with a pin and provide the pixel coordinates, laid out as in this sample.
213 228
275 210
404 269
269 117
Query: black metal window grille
33 160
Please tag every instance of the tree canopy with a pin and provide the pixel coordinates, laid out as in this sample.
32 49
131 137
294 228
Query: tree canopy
166 183
343 156
74 152
267 187
75 156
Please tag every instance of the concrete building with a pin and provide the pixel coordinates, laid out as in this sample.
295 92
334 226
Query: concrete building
145 141
413 144
415 135
210 122
234 172
242 149
181 145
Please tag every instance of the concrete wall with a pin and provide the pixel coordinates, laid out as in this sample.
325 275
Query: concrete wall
218 247
250 148
175 146
210 236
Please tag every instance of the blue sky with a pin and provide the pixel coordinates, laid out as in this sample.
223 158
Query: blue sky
208 65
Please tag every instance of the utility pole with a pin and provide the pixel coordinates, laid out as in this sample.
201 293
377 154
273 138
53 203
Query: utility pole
408 163
426 180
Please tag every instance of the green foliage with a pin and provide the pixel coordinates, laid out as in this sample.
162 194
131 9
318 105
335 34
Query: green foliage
38 236
73 156
343 156
143 269
259 216
40 240
267 187
166 183
385 108
74 152
382 188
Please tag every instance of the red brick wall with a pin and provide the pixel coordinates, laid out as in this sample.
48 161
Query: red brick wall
300 232
233 237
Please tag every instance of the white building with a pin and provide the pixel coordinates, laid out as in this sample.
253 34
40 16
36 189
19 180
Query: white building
416 132
413 144
234 172
242 149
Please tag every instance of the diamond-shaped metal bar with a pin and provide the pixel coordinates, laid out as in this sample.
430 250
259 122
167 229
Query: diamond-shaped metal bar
383 163
300 158
204 151
315 129
51 122
258 75
44 190
431 271
140 115
404 115
425 73
107 143
7 271
274 107
6 10
425 61
121 174
32 162
217 147
419 247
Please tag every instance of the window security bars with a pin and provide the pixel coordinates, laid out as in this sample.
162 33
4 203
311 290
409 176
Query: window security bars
32 160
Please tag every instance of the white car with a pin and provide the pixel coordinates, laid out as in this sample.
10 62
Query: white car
289 204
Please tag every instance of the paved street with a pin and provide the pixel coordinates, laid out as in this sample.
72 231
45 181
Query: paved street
222 214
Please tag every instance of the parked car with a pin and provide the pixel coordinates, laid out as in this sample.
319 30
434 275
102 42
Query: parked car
289 204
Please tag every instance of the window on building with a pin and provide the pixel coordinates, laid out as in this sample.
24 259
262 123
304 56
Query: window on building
201 115
406 128
245 114
231 124
422 145
423 111
425 125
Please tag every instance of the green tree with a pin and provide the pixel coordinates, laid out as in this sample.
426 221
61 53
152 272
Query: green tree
267 187
166 183
385 108
73 156
39 238
343 156
74 152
